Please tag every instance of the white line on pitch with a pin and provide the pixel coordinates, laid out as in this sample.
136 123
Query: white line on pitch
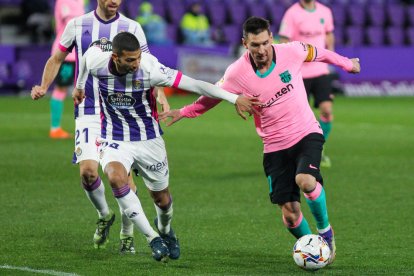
44 271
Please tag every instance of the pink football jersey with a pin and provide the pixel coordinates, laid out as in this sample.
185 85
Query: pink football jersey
299 24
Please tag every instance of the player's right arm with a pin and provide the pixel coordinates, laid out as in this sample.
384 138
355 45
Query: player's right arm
49 73
55 61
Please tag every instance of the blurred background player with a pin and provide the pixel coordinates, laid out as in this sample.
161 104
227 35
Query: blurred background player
96 28
154 26
195 26
65 10
311 22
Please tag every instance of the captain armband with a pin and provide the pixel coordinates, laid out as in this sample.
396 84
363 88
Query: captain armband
312 53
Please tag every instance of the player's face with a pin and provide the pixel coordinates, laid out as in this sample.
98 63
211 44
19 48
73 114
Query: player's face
260 47
109 7
127 62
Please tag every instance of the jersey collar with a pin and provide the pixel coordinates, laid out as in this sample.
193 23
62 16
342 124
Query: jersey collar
265 74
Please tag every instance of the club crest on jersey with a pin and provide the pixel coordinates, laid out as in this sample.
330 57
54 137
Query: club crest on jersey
285 77
78 151
136 84
104 43
121 101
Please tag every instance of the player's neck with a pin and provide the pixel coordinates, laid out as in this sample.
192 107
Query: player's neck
104 16
113 68
308 5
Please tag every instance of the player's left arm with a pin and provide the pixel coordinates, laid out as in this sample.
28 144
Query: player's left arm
323 55
159 94
330 41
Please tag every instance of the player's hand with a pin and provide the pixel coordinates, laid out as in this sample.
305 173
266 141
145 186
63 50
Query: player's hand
356 68
247 104
37 92
78 95
174 114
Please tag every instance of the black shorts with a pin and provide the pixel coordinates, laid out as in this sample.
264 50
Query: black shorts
320 88
66 74
281 167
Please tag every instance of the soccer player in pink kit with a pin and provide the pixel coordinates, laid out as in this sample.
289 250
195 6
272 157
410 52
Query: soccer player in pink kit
65 10
291 135
96 28
311 22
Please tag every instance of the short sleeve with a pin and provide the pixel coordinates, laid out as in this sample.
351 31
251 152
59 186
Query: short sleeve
67 40
329 26
161 75
287 25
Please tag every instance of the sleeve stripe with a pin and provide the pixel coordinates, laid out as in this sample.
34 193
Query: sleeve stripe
62 48
177 79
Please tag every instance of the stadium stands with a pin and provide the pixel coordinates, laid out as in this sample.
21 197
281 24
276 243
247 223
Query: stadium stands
371 23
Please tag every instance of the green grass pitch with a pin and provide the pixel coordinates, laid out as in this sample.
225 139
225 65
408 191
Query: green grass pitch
222 214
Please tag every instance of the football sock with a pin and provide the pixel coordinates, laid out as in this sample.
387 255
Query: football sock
127 227
96 194
164 217
56 108
300 228
317 203
131 206
326 126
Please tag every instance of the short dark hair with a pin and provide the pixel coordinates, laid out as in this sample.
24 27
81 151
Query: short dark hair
125 41
255 25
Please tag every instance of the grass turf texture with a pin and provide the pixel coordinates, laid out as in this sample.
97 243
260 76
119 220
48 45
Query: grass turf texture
222 213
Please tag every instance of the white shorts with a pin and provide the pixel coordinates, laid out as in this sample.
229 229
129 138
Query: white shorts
88 129
149 157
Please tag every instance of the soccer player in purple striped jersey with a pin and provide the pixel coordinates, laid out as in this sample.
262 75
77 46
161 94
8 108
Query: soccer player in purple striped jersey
292 137
131 134
96 28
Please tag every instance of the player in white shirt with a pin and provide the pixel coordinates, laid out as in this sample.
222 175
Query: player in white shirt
131 134
96 28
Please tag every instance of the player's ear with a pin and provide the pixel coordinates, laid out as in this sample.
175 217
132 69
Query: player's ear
244 42
114 56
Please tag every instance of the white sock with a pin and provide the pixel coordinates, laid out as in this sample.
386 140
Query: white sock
131 206
127 227
96 194
164 219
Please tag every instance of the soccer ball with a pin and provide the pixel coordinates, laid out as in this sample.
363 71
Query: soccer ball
311 252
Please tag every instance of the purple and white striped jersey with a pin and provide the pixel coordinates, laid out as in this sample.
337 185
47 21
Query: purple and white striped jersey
89 30
128 106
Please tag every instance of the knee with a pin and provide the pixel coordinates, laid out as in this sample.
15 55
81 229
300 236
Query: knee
162 199
306 182
88 175
116 179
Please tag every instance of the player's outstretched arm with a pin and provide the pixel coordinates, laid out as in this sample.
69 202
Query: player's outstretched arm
49 73
243 103
350 65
